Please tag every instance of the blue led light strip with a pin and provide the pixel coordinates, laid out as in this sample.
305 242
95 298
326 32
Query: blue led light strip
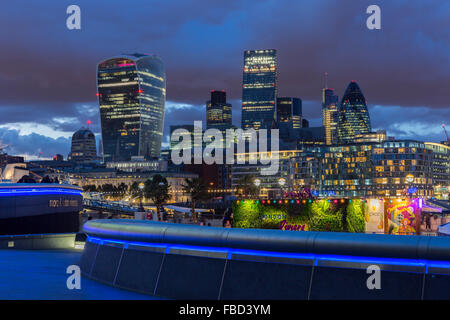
328 257
37 191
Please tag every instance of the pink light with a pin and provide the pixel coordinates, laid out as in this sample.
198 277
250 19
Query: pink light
125 64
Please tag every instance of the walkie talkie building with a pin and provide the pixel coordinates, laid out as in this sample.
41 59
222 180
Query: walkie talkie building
131 92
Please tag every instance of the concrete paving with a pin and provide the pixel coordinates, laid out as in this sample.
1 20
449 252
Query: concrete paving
41 274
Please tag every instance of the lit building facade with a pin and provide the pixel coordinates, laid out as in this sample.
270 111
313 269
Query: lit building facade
83 147
140 165
378 136
100 178
353 114
132 94
400 168
289 115
387 169
269 184
218 111
259 89
330 115
440 167
188 133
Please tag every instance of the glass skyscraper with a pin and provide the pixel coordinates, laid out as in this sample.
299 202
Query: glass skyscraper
218 111
330 115
353 114
289 115
259 89
131 95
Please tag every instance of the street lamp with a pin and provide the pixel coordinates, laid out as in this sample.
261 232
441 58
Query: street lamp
141 187
281 182
257 183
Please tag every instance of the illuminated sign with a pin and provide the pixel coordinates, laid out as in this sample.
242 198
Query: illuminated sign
409 178
412 190
303 193
284 225
57 203
325 193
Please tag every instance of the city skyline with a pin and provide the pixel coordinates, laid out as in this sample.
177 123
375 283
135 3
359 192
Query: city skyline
403 80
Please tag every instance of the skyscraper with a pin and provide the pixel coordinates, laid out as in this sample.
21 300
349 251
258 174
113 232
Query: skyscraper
131 94
84 146
289 115
218 111
353 114
259 89
330 115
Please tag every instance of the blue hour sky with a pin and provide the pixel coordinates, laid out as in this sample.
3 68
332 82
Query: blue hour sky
47 79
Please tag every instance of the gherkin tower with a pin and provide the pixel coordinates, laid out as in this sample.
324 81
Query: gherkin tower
353 114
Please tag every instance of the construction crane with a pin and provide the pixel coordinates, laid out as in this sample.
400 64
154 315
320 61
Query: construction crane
445 131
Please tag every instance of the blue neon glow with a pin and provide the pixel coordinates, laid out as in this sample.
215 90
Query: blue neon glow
311 256
8 192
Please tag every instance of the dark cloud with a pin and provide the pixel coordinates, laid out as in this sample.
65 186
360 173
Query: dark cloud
48 72
421 123
33 145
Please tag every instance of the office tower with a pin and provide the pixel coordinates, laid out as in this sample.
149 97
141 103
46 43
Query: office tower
289 115
189 133
353 114
330 114
84 148
218 111
131 94
259 89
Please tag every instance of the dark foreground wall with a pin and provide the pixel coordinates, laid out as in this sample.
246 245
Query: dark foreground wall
39 208
195 262
38 241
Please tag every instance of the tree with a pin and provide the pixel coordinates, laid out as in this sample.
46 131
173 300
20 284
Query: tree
134 189
246 186
46 179
122 188
198 191
158 190
26 179
90 188
107 188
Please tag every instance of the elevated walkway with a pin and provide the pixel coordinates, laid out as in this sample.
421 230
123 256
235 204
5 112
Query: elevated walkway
194 262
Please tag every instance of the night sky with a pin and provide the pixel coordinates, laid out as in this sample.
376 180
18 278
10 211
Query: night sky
48 73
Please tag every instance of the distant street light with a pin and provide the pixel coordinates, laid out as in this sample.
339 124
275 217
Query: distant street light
281 182
141 187
257 182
